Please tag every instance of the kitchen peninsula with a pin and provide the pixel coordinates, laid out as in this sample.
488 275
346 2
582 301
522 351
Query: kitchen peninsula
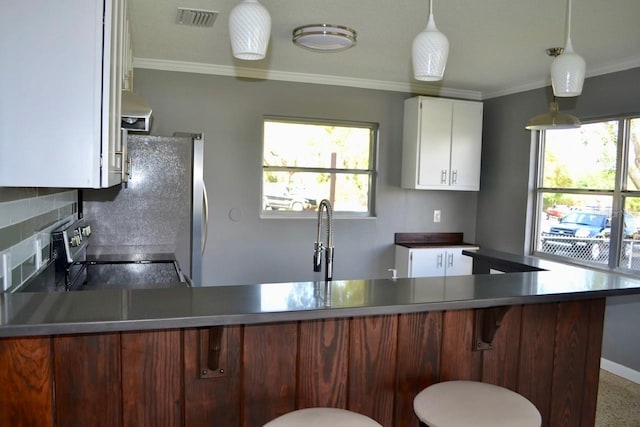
241 355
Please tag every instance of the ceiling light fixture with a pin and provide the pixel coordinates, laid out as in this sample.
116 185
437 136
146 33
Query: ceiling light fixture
553 119
249 30
324 37
568 68
429 52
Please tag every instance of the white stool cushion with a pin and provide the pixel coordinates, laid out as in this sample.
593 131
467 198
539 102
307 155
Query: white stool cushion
322 417
472 403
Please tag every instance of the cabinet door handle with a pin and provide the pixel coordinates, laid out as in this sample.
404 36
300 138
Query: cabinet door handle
443 176
454 177
439 261
450 261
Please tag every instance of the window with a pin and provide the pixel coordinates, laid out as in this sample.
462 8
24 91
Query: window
305 161
588 193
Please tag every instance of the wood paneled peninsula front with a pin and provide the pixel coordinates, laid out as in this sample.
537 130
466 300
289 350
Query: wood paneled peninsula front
241 355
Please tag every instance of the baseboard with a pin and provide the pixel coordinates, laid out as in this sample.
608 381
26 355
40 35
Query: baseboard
620 370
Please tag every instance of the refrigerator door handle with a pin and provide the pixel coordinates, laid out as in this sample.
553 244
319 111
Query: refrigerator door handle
205 200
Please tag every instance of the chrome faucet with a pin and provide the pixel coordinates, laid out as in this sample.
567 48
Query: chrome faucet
319 247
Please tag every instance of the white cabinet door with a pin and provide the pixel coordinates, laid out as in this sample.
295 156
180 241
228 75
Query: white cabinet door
466 146
59 110
442 140
427 263
458 264
433 262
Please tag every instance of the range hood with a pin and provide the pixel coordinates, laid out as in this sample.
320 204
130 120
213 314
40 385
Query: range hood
136 113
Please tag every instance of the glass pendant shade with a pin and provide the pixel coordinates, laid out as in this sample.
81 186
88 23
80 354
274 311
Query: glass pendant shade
568 69
429 52
553 119
249 30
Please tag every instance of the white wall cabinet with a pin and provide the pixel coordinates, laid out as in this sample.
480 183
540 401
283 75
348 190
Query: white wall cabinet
442 144
60 81
431 262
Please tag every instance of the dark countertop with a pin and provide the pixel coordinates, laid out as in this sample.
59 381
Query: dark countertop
431 240
23 314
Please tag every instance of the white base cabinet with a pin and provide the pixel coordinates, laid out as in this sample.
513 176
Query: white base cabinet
441 144
432 262
60 80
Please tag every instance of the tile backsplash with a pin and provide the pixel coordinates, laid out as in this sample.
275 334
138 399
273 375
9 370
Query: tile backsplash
27 217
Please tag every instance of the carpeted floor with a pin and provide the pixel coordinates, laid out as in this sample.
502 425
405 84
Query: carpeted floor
618 402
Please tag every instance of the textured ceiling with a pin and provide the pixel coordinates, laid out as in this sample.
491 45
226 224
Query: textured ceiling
497 47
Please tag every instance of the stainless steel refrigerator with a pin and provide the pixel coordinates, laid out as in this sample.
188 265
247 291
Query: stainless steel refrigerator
162 209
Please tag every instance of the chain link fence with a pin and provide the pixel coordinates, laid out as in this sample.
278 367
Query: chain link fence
594 250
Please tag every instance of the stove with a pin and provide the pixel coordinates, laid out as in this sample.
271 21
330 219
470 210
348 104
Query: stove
76 270
70 243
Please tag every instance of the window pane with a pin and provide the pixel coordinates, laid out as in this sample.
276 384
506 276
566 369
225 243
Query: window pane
298 191
575 226
633 174
316 146
630 250
581 158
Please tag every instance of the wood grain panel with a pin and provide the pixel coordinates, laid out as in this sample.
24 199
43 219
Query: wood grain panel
572 333
152 378
269 379
592 366
27 382
418 362
323 363
87 386
458 360
212 401
372 369
500 364
536 356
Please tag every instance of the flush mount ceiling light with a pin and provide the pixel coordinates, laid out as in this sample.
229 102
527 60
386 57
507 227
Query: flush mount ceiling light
324 37
568 68
429 52
249 30
553 119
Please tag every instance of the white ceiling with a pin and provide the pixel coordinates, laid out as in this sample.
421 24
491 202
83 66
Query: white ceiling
497 47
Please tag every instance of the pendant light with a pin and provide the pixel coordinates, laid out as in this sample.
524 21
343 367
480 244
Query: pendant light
249 30
553 119
429 52
568 69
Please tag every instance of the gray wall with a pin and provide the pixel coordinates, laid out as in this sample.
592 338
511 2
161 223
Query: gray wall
502 202
253 250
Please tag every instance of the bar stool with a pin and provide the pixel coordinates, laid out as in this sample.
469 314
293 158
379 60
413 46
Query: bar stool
322 417
472 403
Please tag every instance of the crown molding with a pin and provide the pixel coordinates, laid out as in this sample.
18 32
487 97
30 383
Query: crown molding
260 74
599 71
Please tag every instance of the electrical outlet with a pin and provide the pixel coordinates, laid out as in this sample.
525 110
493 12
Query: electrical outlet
436 216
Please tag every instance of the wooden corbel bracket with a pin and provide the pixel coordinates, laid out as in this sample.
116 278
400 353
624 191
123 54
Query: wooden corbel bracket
487 323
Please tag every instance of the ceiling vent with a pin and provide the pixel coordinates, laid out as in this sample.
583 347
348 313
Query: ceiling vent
196 17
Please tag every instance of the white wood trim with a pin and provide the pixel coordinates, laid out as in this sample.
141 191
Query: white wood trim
620 370
254 73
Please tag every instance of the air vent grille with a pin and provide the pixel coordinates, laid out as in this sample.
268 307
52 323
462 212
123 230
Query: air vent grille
196 17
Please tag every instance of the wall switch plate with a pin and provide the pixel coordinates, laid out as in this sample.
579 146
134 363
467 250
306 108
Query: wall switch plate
436 216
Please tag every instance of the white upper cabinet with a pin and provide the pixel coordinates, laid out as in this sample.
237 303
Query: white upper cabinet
60 80
442 144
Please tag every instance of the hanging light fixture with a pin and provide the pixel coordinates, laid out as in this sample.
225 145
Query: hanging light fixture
429 52
324 37
553 119
568 69
249 30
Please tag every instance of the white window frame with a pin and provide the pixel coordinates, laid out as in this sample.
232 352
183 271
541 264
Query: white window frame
371 172
618 195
